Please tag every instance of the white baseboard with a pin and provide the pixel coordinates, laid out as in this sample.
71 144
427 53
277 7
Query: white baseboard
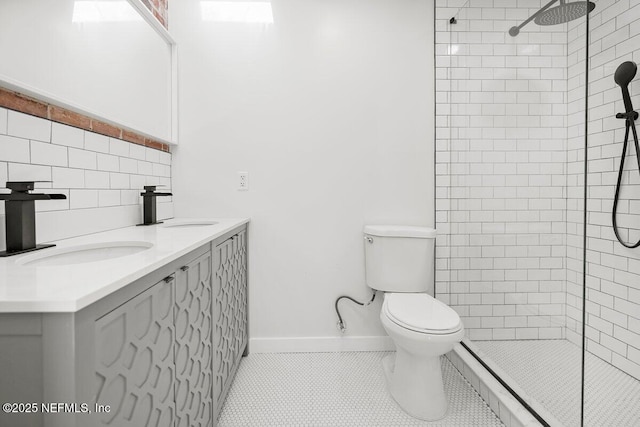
320 344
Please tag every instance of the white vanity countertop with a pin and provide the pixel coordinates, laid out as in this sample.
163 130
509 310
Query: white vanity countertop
69 288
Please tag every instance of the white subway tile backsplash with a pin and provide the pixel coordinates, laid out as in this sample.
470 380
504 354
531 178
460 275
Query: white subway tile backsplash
165 181
151 180
118 147
82 159
29 127
3 120
44 153
152 156
14 149
81 199
67 177
145 168
130 197
165 158
138 182
96 142
67 135
96 179
3 174
137 151
120 180
80 165
165 208
161 170
128 165
108 198
27 172
107 162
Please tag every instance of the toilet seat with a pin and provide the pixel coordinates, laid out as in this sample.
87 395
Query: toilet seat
421 313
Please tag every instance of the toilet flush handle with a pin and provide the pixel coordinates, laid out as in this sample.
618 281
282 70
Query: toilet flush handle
368 239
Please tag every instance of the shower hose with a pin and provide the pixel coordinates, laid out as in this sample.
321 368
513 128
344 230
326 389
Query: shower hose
630 118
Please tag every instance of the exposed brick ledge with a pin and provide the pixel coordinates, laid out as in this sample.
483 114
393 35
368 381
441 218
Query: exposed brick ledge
160 9
28 105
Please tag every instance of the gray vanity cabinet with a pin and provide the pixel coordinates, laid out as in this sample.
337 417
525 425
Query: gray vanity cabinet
153 353
229 313
161 351
135 359
176 386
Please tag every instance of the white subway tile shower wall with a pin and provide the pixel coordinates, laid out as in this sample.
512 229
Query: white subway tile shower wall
102 177
501 156
613 272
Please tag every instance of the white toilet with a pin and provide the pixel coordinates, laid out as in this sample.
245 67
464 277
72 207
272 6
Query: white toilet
400 262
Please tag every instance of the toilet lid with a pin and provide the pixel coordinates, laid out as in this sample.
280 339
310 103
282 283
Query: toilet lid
422 313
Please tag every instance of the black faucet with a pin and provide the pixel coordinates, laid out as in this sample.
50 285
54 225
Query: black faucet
20 217
149 204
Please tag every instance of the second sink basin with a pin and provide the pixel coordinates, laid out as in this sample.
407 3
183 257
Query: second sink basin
81 254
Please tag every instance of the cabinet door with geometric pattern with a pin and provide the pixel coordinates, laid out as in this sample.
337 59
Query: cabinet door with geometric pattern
135 360
229 312
193 350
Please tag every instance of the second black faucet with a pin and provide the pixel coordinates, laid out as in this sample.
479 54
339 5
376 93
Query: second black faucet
149 204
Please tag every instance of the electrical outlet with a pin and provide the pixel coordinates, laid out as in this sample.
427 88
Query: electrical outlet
243 181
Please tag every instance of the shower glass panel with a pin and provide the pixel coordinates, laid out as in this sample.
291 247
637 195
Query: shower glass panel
510 189
612 338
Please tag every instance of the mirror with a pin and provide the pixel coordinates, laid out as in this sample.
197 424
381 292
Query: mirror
98 57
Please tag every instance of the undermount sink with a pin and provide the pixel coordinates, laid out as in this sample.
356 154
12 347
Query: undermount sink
81 254
189 223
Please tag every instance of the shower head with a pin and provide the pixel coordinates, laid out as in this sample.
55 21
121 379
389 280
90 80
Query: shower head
564 13
623 76
561 14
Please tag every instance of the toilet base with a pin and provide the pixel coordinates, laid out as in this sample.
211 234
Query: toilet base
415 383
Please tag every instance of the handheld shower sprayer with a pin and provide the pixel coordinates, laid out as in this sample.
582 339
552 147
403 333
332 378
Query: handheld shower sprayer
623 77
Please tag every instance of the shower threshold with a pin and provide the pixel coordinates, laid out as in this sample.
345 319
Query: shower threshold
546 374
502 393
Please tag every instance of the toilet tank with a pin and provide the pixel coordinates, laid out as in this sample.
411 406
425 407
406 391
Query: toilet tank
399 258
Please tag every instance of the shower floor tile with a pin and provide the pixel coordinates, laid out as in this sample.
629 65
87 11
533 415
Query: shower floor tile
550 372
335 389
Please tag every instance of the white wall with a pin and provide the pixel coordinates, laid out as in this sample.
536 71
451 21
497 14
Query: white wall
330 110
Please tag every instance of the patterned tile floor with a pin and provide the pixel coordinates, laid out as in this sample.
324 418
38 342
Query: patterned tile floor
335 389
550 372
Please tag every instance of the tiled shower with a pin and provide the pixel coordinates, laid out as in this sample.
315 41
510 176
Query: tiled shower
514 126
